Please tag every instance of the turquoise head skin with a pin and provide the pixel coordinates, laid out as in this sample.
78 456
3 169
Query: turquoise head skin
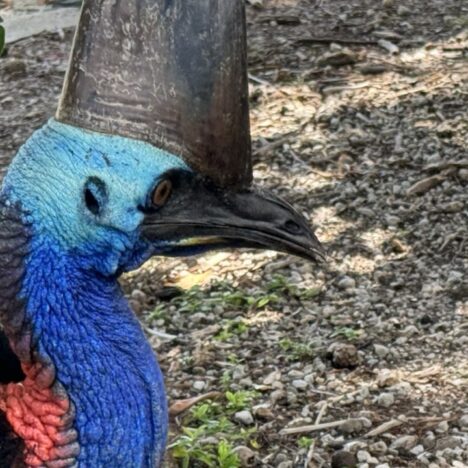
61 165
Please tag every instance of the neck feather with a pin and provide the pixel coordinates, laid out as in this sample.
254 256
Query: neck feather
79 323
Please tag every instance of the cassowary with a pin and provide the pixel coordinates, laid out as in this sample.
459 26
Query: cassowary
149 154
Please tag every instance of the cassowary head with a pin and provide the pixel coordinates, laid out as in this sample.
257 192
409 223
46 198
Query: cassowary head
122 201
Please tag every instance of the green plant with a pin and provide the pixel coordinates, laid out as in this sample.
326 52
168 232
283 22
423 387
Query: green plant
305 442
297 351
227 458
351 334
282 285
238 401
226 379
208 434
231 328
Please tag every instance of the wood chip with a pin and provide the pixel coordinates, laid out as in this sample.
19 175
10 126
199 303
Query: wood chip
425 185
181 406
385 427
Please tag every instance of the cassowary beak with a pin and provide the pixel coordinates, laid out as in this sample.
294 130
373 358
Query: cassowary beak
200 217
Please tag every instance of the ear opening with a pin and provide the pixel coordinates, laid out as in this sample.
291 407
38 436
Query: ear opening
95 195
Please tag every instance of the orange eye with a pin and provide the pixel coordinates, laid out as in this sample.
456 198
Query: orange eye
162 193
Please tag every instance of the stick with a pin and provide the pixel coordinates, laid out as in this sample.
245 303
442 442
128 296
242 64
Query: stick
384 428
329 40
310 454
312 427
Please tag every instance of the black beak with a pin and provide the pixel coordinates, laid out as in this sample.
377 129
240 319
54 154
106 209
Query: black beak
199 216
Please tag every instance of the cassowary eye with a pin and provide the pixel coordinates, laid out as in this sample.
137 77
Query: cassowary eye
162 193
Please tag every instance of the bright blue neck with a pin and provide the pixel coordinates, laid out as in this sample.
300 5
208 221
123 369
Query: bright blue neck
83 323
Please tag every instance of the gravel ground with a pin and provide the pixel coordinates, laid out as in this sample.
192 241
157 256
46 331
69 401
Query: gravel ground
362 363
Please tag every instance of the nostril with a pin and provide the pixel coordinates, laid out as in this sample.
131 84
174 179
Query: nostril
292 227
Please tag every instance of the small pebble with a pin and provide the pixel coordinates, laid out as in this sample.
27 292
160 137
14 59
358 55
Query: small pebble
246 455
417 450
463 174
344 356
380 350
347 283
244 417
386 400
442 427
351 426
404 444
343 459
300 384
378 448
199 385
463 421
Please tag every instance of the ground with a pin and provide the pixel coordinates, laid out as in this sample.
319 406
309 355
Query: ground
359 115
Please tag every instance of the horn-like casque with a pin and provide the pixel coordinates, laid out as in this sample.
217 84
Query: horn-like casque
172 73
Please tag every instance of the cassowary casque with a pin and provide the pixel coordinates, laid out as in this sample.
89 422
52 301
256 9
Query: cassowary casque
149 154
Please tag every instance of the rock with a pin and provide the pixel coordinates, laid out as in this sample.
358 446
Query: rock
351 426
343 459
410 330
346 283
300 384
453 207
378 448
380 350
199 385
386 399
392 220
329 441
442 427
295 374
463 421
263 412
281 458
246 455
271 378
14 68
365 457
139 295
402 10
344 356
417 450
404 444
338 58
463 174
449 442
429 441
244 417
383 465
286 464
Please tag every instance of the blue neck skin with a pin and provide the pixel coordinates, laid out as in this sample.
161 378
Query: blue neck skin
74 304
83 323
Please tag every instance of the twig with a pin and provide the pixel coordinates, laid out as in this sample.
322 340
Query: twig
158 334
276 143
329 40
312 427
258 80
310 453
385 427
180 406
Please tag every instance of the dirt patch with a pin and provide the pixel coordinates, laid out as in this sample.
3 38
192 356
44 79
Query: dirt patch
359 117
